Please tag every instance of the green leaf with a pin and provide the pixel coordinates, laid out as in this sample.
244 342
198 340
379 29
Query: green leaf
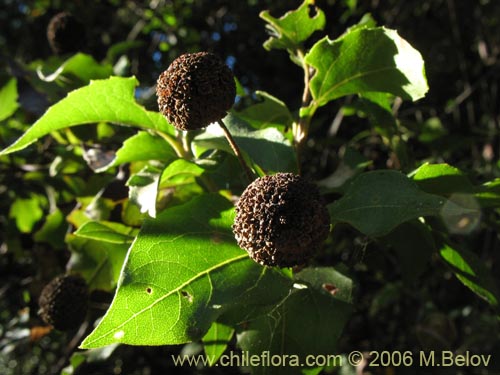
471 272
106 232
364 60
110 100
296 327
442 179
53 230
268 148
290 30
81 66
414 245
144 189
216 340
182 272
26 212
97 261
267 112
141 147
8 99
377 202
180 167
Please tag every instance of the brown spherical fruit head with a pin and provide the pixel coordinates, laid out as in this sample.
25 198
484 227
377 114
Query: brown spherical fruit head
65 33
64 302
196 90
281 220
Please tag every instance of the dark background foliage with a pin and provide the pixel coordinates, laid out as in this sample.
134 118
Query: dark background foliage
458 123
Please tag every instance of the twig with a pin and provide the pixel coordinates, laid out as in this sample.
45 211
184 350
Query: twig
236 151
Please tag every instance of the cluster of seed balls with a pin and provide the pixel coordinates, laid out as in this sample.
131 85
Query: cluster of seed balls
281 219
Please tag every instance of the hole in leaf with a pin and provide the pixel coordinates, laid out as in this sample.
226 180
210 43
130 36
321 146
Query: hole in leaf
330 288
312 10
186 295
149 290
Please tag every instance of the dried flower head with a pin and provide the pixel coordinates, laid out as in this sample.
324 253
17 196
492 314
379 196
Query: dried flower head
64 301
281 220
196 90
65 33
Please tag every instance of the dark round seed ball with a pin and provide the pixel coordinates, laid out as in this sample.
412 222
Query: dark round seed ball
281 220
64 301
65 33
196 90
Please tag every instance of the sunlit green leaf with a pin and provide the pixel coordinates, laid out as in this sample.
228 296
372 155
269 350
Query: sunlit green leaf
142 146
26 212
267 112
216 340
471 272
53 230
106 232
8 99
110 100
97 261
183 271
268 148
81 66
290 30
442 179
364 60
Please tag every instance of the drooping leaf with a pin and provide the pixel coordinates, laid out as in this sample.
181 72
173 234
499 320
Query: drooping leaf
365 60
296 327
377 202
268 148
267 112
109 100
106 232
142 146
82 66
8 99
216 340
183 271
290 30
471 272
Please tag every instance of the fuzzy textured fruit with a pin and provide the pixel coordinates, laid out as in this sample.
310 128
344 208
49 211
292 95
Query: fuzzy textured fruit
196 90
281 220
65 33
64 302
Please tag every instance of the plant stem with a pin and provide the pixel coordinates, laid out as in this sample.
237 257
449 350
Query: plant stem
236 151
180 152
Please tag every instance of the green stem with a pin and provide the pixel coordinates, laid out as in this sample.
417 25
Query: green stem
236 151
179 150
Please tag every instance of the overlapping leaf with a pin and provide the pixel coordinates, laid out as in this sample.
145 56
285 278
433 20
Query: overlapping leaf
109 100
377 202
297 326
365 60
181 273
